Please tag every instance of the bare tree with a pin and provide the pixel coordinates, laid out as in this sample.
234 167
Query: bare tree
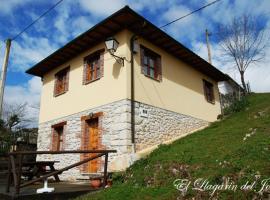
244 42
15 116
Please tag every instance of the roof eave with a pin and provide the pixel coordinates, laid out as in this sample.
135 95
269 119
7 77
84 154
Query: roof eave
203 66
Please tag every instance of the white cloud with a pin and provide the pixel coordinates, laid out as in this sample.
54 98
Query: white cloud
28 51
28 93
187 29
7 6
80 25
176 12
102 7
31 48
257 75
153 5
61 23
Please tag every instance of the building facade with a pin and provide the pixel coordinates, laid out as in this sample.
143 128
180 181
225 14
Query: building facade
86 99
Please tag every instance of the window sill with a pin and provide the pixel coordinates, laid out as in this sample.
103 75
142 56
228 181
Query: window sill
56 95
87 82
212 102
152 78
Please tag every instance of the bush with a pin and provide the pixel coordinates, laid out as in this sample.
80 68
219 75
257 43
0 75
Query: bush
236 106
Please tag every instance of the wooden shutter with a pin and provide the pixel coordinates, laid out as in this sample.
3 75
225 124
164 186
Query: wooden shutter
142 59
204 89
84 145
55 85
208 91
212 93
101 64
159 68
64 137
84 72
66 80
86 68
61 86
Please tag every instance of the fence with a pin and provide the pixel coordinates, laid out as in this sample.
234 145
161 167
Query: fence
4 147
19 140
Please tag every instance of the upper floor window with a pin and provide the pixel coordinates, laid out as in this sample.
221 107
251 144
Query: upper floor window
151 64
61 81
58 136
209 91
93 67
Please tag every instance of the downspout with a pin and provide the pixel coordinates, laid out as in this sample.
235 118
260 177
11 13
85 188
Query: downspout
132 85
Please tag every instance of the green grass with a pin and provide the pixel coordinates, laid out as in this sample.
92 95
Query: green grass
202 155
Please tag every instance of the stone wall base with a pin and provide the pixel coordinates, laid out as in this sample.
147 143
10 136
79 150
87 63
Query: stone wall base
153 126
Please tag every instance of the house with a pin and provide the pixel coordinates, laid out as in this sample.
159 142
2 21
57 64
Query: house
230 91
150 90
230 86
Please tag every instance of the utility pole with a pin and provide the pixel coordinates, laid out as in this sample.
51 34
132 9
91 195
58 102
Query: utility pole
207 34
3 75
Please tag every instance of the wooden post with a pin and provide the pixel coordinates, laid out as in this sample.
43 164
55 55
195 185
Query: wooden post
13 164
3 75
105 171
20 158
9 175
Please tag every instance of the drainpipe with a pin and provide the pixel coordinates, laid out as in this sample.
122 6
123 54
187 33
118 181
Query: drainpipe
132 39
132 85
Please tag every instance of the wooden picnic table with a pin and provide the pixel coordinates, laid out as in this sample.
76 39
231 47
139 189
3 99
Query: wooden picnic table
38 168
15 165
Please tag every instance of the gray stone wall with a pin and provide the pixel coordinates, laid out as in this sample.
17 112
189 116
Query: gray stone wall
157 125
152 125
115 125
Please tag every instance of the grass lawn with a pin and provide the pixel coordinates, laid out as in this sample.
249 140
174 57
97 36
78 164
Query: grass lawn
218 152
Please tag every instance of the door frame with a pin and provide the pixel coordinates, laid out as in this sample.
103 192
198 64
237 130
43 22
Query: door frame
85 139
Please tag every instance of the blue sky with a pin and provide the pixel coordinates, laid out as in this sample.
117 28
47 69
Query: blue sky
72 17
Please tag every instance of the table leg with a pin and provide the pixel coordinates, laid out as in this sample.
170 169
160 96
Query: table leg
55 176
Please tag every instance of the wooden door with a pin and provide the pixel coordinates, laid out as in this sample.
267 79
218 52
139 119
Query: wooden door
93 144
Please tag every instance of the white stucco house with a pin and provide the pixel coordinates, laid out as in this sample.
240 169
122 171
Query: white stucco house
158 91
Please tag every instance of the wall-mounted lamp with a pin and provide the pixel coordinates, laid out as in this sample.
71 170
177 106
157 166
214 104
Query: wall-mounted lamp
112 45
91 115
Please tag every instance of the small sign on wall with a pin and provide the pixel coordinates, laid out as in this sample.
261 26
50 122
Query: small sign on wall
143 112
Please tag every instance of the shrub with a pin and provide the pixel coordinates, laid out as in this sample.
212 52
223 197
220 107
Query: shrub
236 106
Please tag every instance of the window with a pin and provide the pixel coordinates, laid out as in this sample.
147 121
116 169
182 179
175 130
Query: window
61 82
209 91
93 67
58 136
151 64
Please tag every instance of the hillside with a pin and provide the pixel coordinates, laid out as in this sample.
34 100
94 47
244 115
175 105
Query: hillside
237 147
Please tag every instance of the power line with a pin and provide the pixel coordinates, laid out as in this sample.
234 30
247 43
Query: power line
27 27
199 9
